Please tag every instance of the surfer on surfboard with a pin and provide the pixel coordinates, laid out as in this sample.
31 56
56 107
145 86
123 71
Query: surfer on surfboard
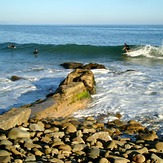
126 47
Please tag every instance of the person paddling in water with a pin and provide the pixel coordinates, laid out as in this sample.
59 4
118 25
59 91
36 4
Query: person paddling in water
35 52
126 47
11 46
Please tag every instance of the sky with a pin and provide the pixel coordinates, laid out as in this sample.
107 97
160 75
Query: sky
81 12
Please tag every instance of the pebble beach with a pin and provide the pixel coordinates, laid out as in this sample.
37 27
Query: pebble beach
69 140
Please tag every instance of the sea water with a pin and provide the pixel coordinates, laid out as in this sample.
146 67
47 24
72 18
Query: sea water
131 84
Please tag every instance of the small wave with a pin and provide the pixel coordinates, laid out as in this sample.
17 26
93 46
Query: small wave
147 51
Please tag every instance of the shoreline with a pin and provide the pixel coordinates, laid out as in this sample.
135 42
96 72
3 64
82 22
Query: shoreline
46 138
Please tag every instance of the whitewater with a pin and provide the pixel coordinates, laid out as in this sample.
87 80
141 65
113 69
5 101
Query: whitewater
131 84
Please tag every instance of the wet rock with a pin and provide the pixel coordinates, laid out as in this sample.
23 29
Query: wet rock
149 136
15 78
94 66
71 65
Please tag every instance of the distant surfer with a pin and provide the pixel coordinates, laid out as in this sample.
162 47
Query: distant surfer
126 47
35 52
11 46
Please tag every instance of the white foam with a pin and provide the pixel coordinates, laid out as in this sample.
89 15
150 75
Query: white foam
147 51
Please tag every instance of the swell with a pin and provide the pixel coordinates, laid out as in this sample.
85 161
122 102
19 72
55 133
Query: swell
146 51
72 48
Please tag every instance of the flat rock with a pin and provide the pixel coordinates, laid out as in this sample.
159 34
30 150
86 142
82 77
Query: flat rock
14 117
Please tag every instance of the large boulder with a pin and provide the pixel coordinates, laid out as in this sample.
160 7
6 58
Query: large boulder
81 75
76 65
14 117
72 94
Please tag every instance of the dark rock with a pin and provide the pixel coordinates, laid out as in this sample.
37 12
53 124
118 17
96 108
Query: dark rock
15 78
94 66
71 65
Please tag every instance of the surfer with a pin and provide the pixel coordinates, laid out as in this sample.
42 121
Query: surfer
126 47
11 46
35 52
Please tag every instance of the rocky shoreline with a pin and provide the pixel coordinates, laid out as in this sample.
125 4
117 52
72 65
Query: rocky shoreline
69 140
44 131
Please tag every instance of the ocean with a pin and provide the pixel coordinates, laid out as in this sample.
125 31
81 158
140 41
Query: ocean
131 85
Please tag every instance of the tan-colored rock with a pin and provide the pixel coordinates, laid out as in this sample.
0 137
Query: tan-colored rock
103 160
5 159
159 146
138 158
99 135
14 117
69 127
149 136
16 133
65 147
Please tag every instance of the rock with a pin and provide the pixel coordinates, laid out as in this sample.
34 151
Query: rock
156 159
16 133
55 160
37 127
30 158
71 65
5 159
94 66
103 160
78 147
18 161
159 146
69 127
15 78
14 117
94 152
138 158
149 136
65 147
4 153
71 96
99 135
84 76
5 142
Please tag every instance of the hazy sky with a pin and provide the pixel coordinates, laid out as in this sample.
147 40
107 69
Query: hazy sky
81 11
